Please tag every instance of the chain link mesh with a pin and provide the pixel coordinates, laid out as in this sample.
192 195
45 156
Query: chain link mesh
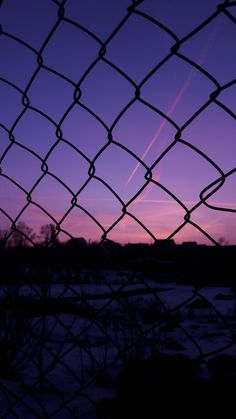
60 343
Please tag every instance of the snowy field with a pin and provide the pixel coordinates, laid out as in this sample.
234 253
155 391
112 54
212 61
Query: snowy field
68 358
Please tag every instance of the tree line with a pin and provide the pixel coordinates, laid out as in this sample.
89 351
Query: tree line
164 259
21 235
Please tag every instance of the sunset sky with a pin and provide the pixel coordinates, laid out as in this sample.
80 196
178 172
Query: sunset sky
92 130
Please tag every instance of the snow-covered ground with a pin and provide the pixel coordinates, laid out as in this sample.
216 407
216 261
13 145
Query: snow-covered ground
115 316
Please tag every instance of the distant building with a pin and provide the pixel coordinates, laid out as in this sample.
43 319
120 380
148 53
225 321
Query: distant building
164 244
189 244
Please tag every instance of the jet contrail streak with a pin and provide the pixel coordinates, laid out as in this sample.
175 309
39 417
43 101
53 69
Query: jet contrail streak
173 105
159 130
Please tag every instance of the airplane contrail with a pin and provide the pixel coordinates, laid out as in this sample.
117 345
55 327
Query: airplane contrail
159 130
173 105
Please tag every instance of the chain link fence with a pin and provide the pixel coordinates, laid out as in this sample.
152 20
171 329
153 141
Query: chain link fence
69 327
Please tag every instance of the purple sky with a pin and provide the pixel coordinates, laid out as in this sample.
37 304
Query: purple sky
176 89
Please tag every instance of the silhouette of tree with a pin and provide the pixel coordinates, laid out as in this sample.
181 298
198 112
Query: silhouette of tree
77 243
22 235
49 234
222 241
3 237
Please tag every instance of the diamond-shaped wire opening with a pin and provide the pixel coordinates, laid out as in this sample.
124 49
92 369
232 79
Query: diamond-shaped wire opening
80 50
107 168
51 94
227 97
185 173
144 132
13 199
84 131
224 194
15 52
74 174
213 132
4 141
158 211
35 132
15 162
216 58
32 24
177 18
129 50
112 13
185 90
221 228
10 102
56 203
98 200
106 92
80 224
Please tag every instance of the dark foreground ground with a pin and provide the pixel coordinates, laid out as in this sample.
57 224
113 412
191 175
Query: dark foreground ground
108 332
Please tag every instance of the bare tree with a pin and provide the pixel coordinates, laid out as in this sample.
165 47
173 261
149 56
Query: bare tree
22 235
3 236
223 242
49 234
